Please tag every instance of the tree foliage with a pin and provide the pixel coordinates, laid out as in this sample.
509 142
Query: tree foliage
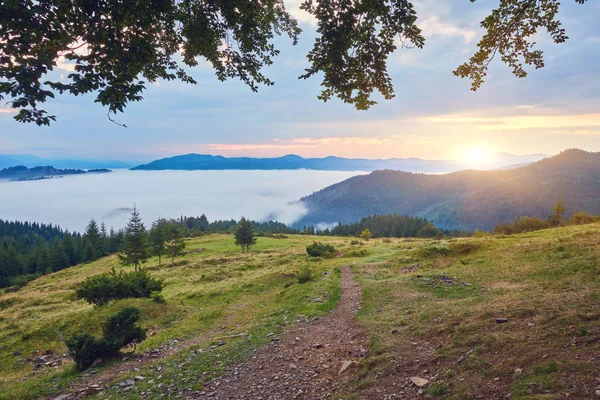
135 249
116 48
244 235
510 32
120 330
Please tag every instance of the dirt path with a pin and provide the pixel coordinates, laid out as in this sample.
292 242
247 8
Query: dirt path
306 362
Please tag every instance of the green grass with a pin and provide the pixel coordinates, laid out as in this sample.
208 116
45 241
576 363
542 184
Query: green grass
547 283
214 286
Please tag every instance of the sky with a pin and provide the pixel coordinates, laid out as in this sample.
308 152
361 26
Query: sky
434 114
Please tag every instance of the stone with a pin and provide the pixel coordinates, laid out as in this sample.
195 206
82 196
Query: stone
394 331
139 378
518 371
318 346
127 382
501 320
420 382
347 364
17 353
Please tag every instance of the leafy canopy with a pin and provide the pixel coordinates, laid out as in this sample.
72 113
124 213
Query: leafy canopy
117 47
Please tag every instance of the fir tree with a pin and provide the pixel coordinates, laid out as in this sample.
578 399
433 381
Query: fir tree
103 248
58 257
244 235
135 246
175 243
69 249
158 238
93 235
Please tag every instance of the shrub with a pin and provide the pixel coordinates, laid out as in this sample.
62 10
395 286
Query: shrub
120 330
365 234
581 218
101 289
319 249
304 275
355 242
387 240
83 349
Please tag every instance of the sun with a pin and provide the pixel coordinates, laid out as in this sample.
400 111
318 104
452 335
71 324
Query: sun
477 156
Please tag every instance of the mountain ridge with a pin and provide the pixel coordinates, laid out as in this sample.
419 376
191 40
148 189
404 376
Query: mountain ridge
193 161
466 199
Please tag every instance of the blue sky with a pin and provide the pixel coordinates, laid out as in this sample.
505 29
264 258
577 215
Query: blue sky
434 114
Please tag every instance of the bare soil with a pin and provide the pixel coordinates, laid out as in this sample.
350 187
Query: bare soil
306 362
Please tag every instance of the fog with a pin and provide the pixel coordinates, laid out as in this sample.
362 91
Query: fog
71 201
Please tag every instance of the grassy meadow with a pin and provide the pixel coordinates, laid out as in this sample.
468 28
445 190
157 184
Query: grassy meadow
439 316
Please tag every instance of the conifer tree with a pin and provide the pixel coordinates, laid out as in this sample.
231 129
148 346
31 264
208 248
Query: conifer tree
58 257
103 248
244 235
93 235
158 238
135 245
174 243
69 249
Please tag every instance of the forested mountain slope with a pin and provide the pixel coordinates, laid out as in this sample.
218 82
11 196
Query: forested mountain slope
466 199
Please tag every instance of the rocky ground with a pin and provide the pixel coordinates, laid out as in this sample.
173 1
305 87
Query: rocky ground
312 360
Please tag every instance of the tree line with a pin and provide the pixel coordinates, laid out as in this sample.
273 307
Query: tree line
30 249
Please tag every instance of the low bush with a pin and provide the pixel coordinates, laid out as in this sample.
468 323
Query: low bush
101 289
304 275
120 330
319 249
355 242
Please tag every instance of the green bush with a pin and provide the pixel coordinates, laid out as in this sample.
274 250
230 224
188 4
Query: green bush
101 289
120 330
304 275
83 349
355 242
319 249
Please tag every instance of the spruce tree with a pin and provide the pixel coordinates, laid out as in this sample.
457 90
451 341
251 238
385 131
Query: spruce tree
175 243
93 235
135 245
103 248
244 235
69 249
158 238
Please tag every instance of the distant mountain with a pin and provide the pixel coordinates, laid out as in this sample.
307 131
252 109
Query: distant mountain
466 199
22 173
27 160
208 162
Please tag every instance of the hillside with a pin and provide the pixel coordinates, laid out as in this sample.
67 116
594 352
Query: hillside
429 310
210 162
22 173
466 199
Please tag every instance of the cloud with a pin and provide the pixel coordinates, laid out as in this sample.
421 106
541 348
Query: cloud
433 26
7 110
564 123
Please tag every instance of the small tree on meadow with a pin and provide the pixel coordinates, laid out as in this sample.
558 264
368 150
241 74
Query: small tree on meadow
135 246
158 238
557 212
365 234
174 240
244 235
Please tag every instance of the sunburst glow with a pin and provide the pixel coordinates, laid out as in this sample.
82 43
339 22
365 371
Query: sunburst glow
477 156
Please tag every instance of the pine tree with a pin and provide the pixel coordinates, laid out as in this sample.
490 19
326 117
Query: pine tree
244 236
58 257
93 235
103 248
69 249
135 246
158 238
175 243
